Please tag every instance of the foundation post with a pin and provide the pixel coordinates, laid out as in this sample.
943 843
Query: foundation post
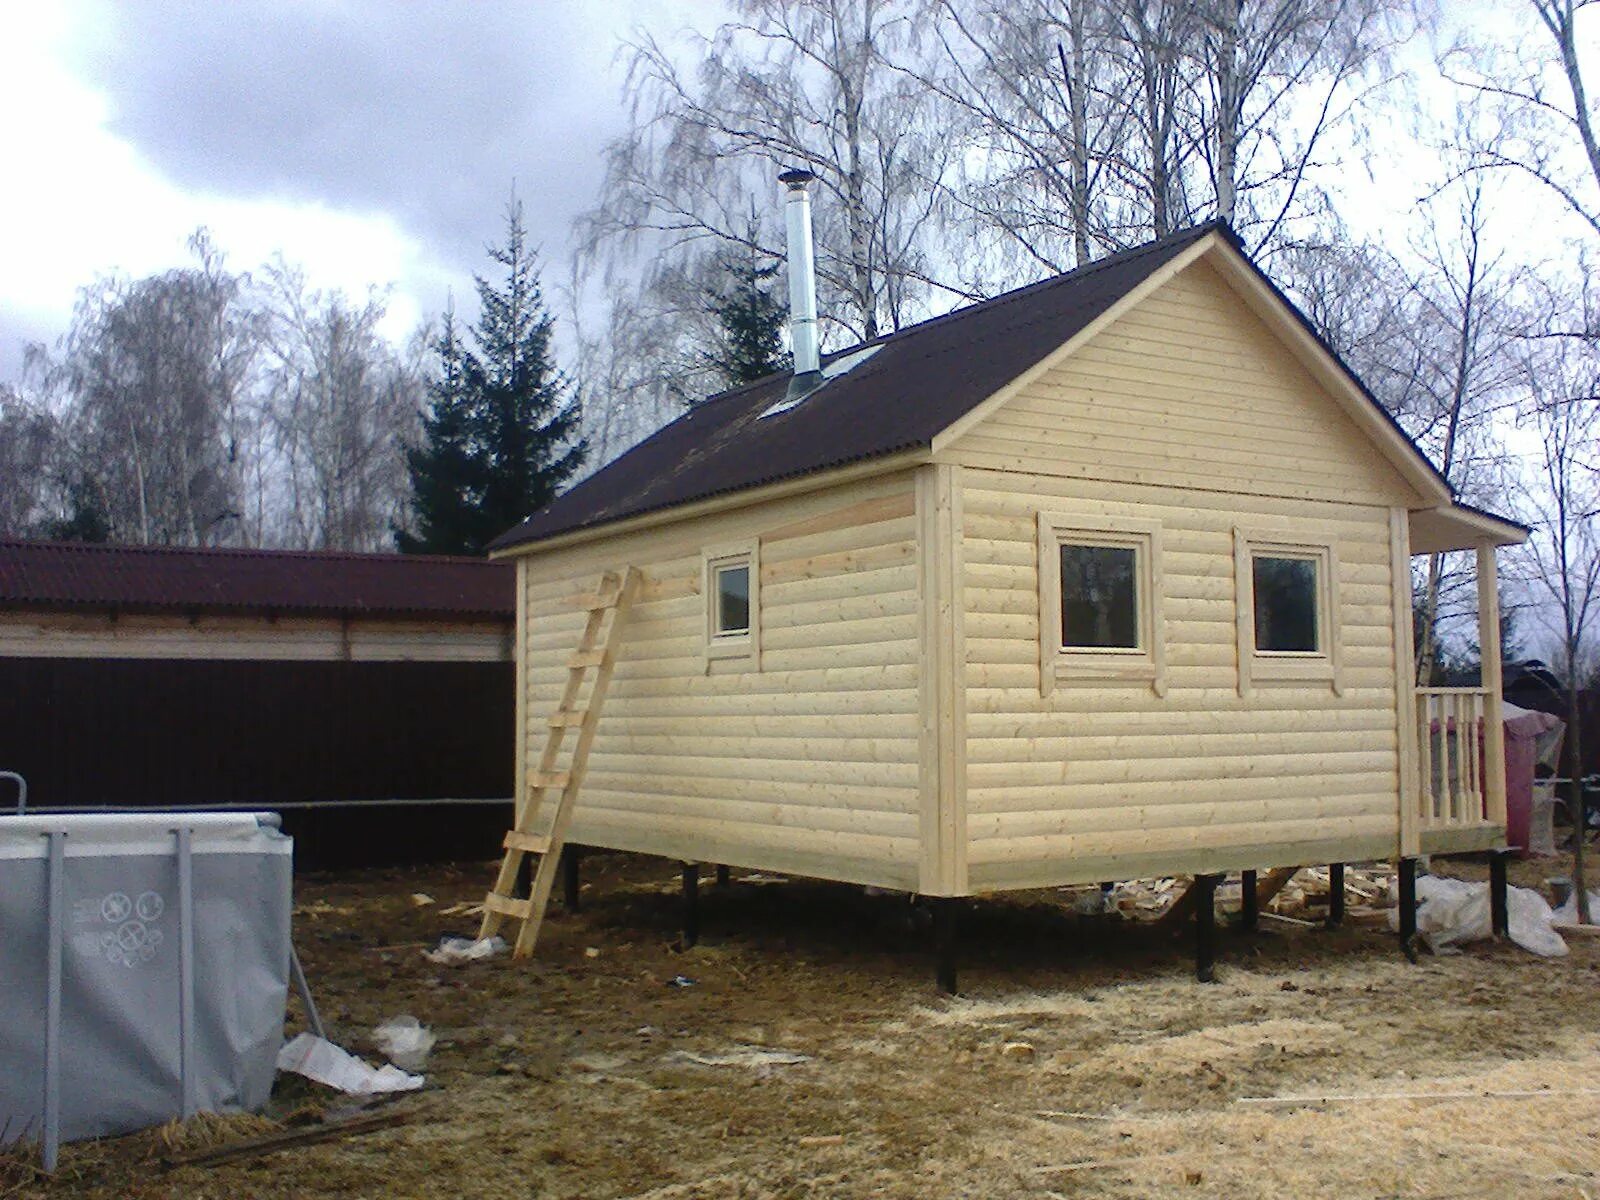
691 904
1408 907
1499 900
1335 895
1249 902
1205 927
722 875
570 880
945 935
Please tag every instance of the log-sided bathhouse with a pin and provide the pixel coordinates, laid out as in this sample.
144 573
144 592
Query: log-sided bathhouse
1104 578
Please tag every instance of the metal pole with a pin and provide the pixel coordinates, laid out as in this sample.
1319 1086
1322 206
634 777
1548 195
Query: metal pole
571 879
186 1031
1205 927
22 790
56 884
945 939
691 904
1499 898
1408 907
1335 895
1249 901
313 1018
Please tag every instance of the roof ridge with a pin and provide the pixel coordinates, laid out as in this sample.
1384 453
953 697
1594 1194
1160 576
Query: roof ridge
264 552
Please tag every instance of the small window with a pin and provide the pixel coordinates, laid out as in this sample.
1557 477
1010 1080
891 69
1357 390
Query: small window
1288 609
731 585
733 600
1099 597
1099 610
1285 603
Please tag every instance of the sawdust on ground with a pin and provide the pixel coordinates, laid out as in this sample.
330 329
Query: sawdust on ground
812 1058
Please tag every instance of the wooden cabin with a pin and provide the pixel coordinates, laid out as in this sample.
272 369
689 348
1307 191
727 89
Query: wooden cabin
1104 578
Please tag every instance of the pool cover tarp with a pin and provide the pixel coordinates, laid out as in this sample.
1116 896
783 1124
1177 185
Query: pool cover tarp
120 908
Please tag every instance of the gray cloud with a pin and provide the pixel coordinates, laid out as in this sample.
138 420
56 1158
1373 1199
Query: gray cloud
422 111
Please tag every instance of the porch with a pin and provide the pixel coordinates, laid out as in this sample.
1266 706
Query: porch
1452 739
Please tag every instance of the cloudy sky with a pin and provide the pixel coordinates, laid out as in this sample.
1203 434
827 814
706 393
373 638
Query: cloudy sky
372 142
369 142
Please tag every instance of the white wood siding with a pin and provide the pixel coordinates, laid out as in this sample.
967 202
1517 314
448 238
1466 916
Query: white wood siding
1188 390
1186 412
809 764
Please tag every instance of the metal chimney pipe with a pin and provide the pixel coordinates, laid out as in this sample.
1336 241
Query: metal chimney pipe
802 275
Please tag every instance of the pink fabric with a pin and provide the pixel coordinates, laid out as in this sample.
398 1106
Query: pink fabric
1523 729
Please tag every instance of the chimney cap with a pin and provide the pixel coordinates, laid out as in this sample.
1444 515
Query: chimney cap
796 177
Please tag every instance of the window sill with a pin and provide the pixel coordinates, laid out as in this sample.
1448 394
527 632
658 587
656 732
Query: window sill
1293 668
1090 669
742 646
731 654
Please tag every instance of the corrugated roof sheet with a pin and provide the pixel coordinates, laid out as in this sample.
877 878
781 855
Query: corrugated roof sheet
65 575
921 379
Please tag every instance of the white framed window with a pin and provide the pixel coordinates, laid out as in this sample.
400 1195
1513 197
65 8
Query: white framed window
1287 592
1099 604
731 585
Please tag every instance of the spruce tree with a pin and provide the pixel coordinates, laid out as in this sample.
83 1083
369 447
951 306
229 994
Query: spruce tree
750 322
502 430
447 470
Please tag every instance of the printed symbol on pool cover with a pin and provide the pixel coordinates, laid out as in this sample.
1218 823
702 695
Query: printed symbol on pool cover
132 943
134 939
116 907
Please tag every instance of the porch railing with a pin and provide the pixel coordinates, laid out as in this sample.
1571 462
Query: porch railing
1450 743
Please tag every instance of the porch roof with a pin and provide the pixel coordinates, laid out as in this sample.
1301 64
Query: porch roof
1462 527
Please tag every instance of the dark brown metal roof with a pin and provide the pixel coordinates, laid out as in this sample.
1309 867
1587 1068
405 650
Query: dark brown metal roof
75 576
919 381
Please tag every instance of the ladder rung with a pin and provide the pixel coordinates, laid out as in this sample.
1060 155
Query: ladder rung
586 658
593 601
549 779
568 716
528 843
507 907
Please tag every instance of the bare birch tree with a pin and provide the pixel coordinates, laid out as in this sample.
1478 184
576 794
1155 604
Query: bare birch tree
1274 78
787 83
1031 95
340 405
1536 96
28 438
1561 562
1462 345
155 368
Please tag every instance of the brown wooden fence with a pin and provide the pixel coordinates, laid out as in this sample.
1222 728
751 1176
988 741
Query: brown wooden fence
146 732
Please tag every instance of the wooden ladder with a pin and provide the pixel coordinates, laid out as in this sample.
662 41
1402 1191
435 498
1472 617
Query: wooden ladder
591 664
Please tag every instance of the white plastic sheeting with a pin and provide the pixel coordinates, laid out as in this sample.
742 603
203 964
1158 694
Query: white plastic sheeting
1567 914
1455 912
320 1060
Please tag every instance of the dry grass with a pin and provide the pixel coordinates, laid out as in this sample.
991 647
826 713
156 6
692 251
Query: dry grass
574 1076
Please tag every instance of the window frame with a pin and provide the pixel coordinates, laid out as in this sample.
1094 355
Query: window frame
1323 665
1061 665
742 644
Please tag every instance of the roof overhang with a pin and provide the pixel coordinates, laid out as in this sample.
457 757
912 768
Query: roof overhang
864 469
1461 527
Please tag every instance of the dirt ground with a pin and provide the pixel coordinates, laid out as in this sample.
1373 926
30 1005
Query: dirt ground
1081 1058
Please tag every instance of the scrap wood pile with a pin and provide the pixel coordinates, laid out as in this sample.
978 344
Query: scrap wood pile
1369 893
